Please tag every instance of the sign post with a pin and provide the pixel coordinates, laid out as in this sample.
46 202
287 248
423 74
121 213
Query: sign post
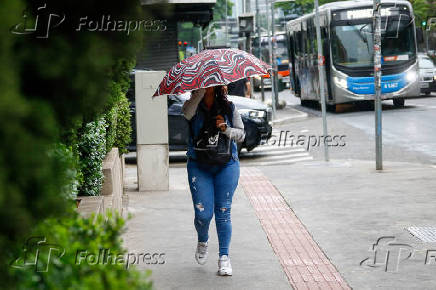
271 72
321 63
376 23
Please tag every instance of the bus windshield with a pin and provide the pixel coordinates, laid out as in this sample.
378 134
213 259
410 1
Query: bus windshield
352 43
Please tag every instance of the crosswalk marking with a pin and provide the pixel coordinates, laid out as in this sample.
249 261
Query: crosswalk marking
283 162
277 148
267 154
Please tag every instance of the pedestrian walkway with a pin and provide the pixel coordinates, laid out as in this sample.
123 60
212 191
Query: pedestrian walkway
301 258
162 223
270 248
375 227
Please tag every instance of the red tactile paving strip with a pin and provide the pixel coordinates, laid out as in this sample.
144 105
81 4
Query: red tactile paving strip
304 263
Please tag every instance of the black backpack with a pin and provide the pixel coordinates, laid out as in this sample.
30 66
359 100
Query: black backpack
212 147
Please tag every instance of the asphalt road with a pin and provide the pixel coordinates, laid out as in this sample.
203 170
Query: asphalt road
409 133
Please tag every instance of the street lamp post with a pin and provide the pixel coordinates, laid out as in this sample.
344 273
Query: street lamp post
376 22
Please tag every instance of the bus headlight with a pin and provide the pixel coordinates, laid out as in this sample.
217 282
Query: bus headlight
340 82
411 76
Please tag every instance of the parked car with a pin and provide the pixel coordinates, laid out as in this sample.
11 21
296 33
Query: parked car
427 74
255 115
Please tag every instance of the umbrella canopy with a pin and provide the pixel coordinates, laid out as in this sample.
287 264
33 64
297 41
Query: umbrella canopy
211 67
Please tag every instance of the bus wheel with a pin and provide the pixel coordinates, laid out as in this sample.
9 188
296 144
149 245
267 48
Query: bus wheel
331 108
398 102
305 103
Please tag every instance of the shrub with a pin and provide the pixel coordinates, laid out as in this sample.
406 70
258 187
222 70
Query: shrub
92 150
73 174
50 87
117 112
78 237
124 129
111 118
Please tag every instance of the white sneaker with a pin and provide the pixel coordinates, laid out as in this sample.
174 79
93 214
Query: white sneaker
224 266
201 253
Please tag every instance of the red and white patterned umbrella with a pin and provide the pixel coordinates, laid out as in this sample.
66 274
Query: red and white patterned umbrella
211 67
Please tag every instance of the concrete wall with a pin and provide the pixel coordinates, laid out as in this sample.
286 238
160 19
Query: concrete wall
112 190
113 183
152 132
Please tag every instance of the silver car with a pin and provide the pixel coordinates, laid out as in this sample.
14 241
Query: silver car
427 74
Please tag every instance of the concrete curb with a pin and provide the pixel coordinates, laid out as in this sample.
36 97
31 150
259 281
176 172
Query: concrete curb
298 115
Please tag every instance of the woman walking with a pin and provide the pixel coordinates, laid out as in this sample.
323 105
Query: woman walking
213 182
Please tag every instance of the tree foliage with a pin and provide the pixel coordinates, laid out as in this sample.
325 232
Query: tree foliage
81 240
50 87
219 10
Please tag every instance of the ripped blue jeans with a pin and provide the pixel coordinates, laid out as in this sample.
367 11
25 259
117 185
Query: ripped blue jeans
212 189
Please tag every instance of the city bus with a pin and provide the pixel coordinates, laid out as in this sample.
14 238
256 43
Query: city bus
281 54
347 44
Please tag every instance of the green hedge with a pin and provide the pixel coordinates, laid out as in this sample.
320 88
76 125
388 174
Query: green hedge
52 88
78 238
117 115
92 150
123 129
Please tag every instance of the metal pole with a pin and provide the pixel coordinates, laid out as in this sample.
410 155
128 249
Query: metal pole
227 32
321 77
258 28
262 89
426 37
274 89
247 6
259 38
273 103
376 23
200 42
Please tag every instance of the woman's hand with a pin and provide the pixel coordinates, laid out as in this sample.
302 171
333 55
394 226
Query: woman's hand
198 93
220 123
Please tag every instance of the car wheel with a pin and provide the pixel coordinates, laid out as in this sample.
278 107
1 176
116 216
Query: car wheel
398 102
427 93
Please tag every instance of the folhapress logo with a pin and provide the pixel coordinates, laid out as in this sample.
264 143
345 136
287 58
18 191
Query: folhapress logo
38 254
41 25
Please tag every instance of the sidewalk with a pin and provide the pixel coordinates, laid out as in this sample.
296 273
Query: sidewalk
163 223
347 206
306 226
285 114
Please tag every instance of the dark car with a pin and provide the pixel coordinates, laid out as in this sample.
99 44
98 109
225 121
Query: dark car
255 115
